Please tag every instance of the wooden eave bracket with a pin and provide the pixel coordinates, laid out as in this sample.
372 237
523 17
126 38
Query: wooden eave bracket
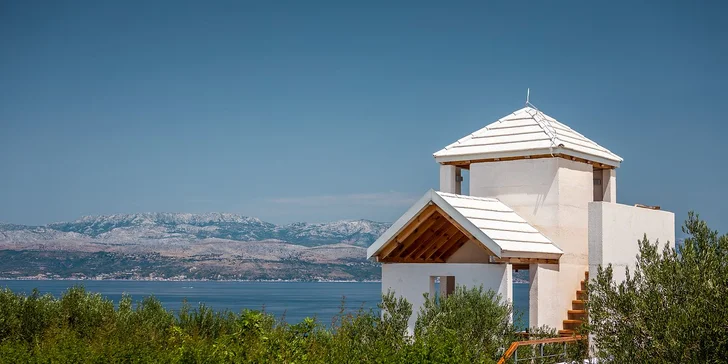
465 164
521 261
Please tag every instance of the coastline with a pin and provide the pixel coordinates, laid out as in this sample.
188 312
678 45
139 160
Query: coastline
202 280
186 280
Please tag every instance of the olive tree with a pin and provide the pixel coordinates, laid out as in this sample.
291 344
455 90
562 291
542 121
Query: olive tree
672 309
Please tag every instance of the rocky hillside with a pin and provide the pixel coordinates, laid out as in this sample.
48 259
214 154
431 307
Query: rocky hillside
212 246
130 227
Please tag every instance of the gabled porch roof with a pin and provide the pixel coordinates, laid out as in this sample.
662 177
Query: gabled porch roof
439 223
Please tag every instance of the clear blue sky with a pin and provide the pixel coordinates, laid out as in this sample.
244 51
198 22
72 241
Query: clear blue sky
316 111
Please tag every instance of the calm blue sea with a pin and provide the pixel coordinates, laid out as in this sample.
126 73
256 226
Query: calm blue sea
295 300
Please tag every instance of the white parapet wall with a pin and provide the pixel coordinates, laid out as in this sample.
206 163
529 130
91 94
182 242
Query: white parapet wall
413 280
614 232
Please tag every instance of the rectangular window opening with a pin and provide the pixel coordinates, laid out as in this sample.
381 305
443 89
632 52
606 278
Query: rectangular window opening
598 189
441 286
521 299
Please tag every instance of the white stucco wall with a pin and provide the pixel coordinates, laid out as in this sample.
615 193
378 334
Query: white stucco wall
614 230
553 195
470 253
609 185
550 193
412 280
552 287
449 179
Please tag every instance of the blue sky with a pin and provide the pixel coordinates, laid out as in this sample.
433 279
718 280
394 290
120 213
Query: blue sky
317 111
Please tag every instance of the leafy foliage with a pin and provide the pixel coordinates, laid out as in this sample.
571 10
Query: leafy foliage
85 327
479 321
672 309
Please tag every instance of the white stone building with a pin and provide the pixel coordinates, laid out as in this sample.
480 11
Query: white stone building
542 197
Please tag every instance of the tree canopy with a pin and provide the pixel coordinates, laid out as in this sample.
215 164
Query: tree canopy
672 309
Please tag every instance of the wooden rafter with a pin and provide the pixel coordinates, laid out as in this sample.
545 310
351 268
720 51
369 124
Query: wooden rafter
411 260
446 235
433 233
431 245
400 238
423 229
451 246
465 231
433 230
456 247
459 245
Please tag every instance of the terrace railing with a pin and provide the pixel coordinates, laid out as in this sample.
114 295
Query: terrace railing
538 349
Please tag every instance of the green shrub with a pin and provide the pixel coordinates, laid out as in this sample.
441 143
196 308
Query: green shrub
672 309
82 327
478 321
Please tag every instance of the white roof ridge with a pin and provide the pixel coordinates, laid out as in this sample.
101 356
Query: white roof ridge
544 123
476 198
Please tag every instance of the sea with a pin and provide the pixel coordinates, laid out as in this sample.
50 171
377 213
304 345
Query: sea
292 301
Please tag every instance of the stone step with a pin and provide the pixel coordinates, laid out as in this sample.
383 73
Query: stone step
566 333
573 322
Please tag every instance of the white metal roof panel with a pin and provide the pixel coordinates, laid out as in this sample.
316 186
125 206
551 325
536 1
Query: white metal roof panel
489 220
476 214
510 235
470 149
512 248
507 225
526 132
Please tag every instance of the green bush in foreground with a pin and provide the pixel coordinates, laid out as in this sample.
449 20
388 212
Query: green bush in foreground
479 320
467 326
672 309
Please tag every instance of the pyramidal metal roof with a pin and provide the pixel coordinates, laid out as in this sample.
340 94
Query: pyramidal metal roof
527 132
493 224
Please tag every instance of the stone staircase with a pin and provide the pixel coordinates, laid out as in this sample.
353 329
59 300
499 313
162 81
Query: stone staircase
577 314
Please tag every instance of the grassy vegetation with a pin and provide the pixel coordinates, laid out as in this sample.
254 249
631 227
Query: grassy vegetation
671 309
468 326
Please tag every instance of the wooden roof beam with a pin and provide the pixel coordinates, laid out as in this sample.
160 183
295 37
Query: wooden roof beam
465 164
432 246
465 231
524 260
409 260
400 238
446 236
434 233
424 230
451 247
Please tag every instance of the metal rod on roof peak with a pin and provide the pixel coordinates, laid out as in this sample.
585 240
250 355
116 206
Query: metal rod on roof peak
528 96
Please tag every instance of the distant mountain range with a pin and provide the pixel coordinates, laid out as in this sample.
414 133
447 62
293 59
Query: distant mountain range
180 245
